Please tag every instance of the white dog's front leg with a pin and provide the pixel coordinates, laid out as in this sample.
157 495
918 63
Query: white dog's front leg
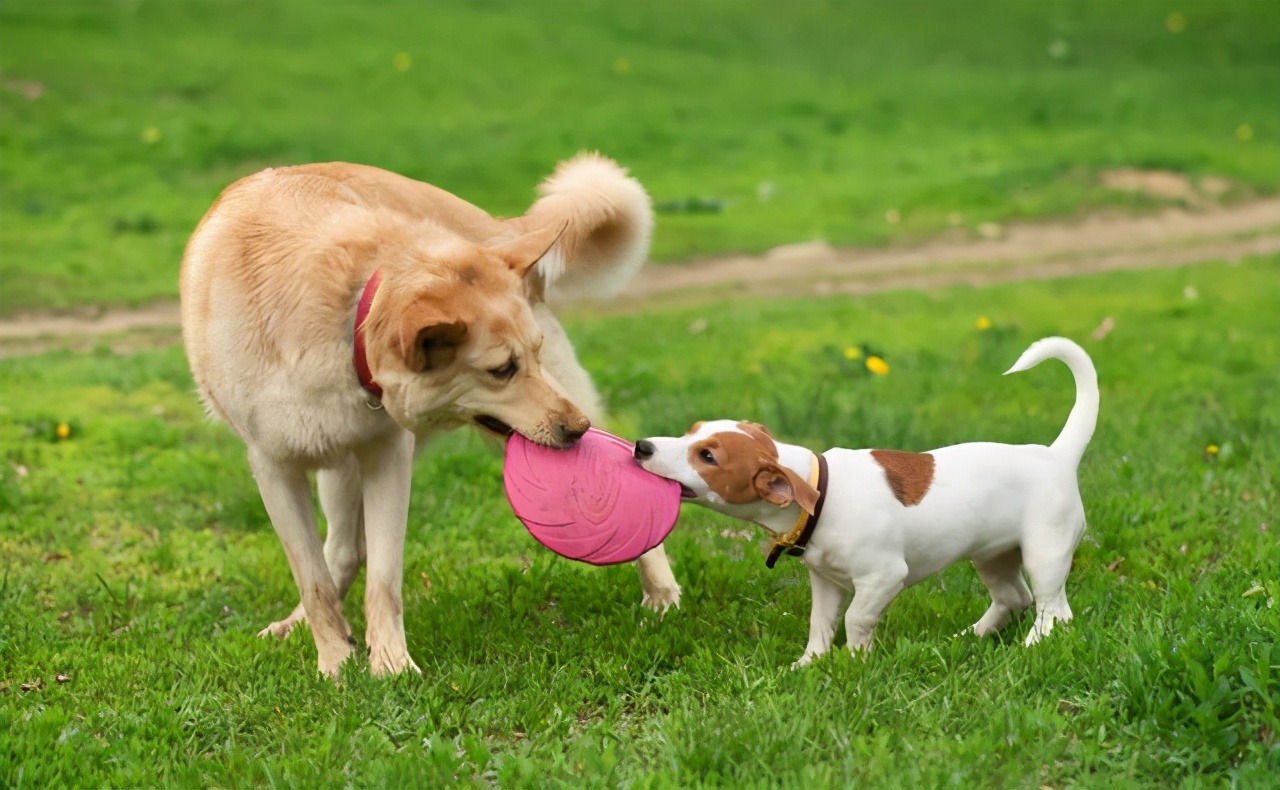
827 597
387 469
661 591
871 596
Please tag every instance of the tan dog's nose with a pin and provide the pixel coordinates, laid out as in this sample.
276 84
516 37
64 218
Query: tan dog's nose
572 429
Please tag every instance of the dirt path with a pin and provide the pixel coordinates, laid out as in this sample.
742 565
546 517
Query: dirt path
1174 237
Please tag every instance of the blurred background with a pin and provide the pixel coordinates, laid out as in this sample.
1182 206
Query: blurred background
752 124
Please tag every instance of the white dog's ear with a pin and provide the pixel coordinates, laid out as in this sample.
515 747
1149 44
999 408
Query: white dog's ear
781 486
523 252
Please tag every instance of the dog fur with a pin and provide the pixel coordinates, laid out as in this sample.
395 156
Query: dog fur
458 331
892 519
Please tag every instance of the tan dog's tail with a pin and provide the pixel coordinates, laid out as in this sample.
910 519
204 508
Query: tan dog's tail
607 219
1078 431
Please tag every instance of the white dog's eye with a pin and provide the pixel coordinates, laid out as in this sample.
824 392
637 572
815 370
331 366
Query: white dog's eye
707 457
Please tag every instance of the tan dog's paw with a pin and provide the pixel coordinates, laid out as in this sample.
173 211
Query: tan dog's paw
282 628
383 662
660 599
331 659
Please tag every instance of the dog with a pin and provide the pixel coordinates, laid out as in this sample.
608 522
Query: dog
877 521
337 316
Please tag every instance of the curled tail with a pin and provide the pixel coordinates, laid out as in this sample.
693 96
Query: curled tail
1084 415
607 219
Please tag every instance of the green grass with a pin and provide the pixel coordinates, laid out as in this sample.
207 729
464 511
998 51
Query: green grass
841 111
137 560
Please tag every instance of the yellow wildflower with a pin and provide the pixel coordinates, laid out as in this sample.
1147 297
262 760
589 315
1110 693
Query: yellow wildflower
1212 449
984 323
151 135
877 366
402 61
1244 132
63 430
852 353
1176 22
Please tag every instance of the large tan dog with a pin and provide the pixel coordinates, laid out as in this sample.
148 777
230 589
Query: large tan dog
454 330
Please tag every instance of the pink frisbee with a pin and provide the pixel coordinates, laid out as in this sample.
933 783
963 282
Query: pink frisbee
591 502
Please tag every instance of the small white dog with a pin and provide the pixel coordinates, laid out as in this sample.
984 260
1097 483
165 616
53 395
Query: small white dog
877 521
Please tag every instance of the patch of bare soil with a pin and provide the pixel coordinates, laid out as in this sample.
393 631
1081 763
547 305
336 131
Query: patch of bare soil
1174 237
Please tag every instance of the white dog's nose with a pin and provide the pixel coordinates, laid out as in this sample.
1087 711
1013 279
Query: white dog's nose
644 449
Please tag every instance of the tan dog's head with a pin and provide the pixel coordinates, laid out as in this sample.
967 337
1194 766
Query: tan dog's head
453 339
725 465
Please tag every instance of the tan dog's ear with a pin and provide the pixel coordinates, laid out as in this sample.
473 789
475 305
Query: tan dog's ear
781 486
428 342
523 252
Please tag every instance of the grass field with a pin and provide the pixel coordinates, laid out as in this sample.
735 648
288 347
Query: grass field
752 124
138 564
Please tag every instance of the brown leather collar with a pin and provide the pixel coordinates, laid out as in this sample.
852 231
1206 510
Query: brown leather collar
793 543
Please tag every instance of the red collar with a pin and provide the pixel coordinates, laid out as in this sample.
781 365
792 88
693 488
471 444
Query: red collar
358 350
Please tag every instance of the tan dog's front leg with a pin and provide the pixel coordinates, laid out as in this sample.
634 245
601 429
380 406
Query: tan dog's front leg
661 591
827 598
287 497
386 468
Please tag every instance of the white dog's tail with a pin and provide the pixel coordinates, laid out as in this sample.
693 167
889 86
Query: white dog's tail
1084 415
608 219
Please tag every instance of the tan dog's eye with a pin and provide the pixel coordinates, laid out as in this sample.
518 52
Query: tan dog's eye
506 371
707 457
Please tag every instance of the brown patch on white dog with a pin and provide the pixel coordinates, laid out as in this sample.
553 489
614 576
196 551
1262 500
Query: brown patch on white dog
909 474
729 461
743 467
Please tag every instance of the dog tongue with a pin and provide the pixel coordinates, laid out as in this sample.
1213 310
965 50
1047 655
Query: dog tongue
591 502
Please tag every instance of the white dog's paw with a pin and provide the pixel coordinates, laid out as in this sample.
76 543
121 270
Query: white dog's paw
1038 633
384 662
282 628
802 662
660 599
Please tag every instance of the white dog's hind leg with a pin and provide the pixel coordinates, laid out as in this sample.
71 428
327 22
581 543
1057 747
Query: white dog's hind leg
386 469
871 595
341 501
1048 571
287 497
825 609
1009 593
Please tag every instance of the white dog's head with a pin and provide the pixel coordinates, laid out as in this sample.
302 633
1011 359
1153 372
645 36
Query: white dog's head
727 465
